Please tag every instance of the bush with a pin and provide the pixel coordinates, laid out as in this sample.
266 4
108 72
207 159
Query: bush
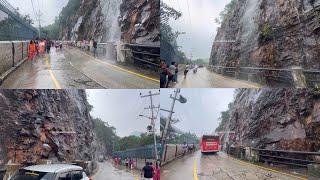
266 34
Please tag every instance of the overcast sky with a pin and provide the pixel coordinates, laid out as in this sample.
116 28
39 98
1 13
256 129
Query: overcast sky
121 109
201 112
49 9
199 25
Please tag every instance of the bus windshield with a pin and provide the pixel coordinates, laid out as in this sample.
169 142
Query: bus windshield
210 138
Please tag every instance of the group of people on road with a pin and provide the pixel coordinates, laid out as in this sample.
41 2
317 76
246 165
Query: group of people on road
168 74
91 46
149 171
39 48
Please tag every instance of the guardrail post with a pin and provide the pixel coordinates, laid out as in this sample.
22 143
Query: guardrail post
13 53
175 155
22 49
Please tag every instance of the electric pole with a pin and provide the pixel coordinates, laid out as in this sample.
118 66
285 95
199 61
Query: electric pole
153 121
165 130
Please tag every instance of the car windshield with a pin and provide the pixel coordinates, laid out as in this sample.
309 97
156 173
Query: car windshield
33 175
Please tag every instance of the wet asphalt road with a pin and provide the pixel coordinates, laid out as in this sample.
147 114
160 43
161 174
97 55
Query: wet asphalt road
72 68
206 79
217 167
108 171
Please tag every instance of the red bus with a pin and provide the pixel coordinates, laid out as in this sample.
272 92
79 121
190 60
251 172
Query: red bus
210 144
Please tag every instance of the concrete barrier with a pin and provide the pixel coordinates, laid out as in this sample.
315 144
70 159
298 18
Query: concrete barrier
6 57
12 54
173 151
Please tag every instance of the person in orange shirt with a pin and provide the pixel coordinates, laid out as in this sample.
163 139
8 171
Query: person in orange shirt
32 50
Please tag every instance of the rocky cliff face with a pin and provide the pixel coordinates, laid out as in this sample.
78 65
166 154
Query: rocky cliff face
45 124
140 21
278 34
276 119
132 21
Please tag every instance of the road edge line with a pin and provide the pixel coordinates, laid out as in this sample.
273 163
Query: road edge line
122 69
268 169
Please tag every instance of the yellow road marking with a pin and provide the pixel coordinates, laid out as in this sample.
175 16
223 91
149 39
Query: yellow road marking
122 69
195 173
272 170
53 78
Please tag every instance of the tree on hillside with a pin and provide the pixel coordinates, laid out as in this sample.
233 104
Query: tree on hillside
227 11
105 134
224 118
130 142
168 35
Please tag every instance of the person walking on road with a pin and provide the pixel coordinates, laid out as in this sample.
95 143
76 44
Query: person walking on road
175 77
163 74
172 72
48 46
156 172
42 46
147 171
186 70
95 46
32 50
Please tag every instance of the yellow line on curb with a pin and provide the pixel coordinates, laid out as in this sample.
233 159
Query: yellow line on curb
53 78
122 69
272 170
195 173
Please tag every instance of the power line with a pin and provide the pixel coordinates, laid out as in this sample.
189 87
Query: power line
189 12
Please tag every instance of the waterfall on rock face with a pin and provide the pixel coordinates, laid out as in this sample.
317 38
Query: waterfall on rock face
111 12
248 20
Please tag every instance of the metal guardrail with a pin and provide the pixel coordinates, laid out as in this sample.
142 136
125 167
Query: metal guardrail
291 158
146 54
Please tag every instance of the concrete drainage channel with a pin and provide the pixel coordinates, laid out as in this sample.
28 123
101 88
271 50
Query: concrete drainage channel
12 55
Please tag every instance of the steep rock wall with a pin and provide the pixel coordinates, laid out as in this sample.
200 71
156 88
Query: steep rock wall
276 119
278 34
45 124
132 21
140 21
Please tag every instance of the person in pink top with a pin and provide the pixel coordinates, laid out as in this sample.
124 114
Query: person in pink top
156 172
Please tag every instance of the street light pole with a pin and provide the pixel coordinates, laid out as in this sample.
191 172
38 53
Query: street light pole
165 130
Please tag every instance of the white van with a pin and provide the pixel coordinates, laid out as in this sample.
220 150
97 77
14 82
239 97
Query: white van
51 172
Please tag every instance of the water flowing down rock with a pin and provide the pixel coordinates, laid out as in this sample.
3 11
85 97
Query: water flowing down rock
276 119
131 21
269 34
45 124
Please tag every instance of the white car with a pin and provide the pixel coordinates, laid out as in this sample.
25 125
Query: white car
51 172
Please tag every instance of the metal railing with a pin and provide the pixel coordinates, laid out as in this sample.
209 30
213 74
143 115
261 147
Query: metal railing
268 76
145 54
299 159
146 152
13 27
292 158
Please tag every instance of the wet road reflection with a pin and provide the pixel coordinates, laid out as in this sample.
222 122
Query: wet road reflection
217 167
108 171
72 68
206 79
